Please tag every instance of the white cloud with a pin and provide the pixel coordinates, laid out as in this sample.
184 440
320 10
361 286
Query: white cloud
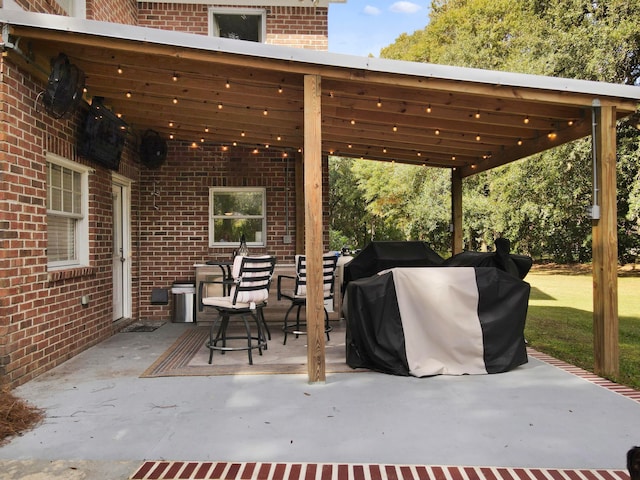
371 10
404 7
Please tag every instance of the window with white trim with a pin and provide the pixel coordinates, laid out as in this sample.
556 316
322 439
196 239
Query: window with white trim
238 23
74 8
67 205
234 212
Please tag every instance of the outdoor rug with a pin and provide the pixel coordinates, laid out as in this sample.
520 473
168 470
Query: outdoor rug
189 356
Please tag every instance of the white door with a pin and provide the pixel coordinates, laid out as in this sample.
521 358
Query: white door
121 250
118 254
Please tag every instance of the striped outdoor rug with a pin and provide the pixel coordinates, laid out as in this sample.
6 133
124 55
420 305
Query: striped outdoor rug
188 356
163 470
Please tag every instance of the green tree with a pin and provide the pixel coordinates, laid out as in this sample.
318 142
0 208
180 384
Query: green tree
540 203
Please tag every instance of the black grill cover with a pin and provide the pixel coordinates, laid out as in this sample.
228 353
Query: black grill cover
378 256
471 321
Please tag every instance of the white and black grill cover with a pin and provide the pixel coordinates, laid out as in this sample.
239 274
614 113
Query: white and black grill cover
436 320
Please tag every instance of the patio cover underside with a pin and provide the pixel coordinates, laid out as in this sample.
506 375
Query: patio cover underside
221 91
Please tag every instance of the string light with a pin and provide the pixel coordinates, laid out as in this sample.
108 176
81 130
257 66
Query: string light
219 106
437 132
519 142
174 77
227 84
570 123
395 128
128 94
171 124
175 100
477 115
379 104
280 89
242 133
526 120
171 136
552 135
353 122
265 112
120 70
477 137
206 129
428 109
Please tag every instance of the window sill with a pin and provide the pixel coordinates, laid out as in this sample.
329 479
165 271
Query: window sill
67 273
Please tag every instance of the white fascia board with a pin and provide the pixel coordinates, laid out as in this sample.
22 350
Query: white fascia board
315 57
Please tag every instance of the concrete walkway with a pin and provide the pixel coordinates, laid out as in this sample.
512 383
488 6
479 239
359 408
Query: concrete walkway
103 420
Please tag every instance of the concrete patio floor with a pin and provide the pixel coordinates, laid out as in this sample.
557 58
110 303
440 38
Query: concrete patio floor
103 420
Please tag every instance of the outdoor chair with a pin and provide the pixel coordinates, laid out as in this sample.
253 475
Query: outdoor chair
248 290
294 288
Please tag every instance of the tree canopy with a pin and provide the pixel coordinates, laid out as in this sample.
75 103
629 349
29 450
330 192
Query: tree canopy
539 203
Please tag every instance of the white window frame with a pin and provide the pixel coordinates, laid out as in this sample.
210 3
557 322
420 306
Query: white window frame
213 26
212 217
82 221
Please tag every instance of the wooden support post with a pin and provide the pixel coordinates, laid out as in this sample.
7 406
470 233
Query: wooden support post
605 246
313 228
299 194
456 212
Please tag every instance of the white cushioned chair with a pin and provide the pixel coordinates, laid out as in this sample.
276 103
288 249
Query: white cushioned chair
248 294
294 288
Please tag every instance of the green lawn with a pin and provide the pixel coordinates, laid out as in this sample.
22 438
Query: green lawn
560 319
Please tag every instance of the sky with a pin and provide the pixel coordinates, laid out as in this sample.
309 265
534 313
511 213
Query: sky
363 27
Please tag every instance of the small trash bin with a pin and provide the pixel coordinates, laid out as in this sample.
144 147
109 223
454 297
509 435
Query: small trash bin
183 301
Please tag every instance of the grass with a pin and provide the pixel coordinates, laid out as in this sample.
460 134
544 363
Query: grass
560 318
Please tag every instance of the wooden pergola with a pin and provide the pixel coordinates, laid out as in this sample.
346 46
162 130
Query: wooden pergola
222 91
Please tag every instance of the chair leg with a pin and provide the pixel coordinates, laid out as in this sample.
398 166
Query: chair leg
264 324
298 320
212 339
260 338
327 328
285 328
248 330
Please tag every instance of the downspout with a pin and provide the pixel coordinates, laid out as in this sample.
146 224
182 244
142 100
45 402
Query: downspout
594 209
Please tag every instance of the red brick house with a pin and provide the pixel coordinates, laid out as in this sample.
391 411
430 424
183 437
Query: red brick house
73 273
85 241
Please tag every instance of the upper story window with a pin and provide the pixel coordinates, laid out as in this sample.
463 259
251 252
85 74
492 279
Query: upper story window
67 205
238 23
234 212
74 8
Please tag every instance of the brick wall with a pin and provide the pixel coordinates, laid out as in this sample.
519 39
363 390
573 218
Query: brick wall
42 322
117 11
303 27
174 236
